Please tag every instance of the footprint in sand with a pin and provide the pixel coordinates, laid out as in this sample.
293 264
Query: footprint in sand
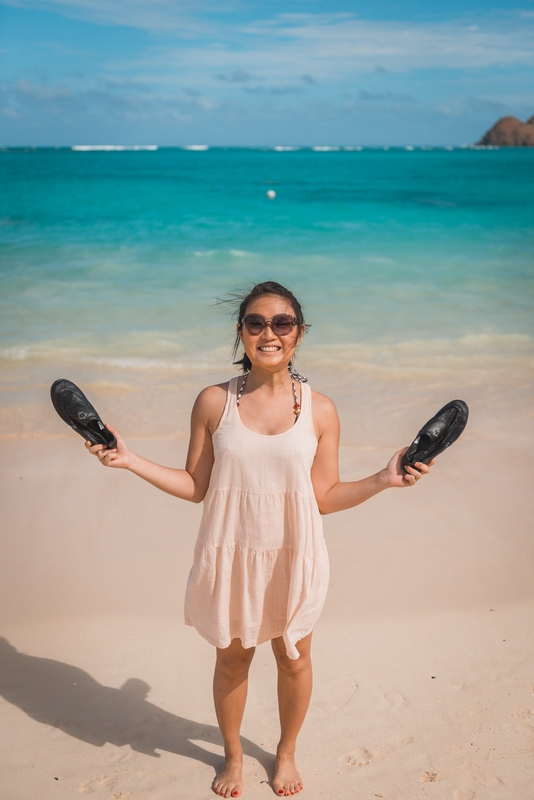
119 757
122 796
517 727
317 710
430 777
524 713
345 689
101 784
473 774
394 700
390 747
359 757
464 794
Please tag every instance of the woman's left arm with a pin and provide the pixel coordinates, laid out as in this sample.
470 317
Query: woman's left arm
335 495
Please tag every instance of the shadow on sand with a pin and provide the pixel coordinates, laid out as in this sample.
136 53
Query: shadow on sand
68 698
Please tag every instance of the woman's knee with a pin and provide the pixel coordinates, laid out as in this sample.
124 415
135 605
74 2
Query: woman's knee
234 659
292 666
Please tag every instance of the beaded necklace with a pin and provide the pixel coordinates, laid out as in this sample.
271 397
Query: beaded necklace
293 375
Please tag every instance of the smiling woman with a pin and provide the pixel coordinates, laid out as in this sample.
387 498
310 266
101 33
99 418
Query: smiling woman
254 323
415 266
264 459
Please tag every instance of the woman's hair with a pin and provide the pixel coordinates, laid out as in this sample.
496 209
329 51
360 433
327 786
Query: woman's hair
241 301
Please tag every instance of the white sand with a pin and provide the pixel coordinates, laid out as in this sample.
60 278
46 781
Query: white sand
423 655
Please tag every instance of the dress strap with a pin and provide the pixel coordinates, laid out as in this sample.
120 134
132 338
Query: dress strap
306 416
231 394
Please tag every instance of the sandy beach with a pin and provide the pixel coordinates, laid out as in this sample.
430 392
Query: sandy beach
423 654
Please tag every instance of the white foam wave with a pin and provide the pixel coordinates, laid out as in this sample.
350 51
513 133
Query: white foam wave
112 147
320 148
58 353
467 353
215 251
282 148
196 147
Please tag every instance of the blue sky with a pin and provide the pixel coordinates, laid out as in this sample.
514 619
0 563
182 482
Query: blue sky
305 72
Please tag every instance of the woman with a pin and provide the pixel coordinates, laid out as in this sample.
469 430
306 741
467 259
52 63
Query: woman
263 456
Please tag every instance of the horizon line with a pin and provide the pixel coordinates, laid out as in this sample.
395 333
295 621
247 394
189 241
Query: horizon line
276 148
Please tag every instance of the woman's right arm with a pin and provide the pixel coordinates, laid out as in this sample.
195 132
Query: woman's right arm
190 483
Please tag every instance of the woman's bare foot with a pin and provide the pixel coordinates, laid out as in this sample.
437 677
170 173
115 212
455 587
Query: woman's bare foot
287 780
229 781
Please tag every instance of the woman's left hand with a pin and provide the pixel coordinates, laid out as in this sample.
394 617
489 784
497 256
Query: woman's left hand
400 476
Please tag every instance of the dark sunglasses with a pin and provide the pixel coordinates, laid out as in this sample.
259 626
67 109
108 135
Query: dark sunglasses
281 324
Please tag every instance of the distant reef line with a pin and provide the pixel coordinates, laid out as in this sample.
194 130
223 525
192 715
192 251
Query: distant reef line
510 132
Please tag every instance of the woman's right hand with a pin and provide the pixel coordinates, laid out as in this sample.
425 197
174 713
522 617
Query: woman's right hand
119 457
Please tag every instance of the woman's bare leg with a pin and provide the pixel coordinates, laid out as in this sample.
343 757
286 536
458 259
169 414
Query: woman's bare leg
294 692
230 684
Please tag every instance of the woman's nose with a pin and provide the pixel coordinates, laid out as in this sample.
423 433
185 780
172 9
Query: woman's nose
268 330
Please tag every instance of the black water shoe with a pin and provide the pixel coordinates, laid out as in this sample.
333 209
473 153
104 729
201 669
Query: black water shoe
75 409
438 433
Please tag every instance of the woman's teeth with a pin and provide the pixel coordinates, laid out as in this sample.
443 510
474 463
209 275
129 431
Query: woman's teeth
272 349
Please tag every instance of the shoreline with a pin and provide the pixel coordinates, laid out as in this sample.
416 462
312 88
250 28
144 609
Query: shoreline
146 399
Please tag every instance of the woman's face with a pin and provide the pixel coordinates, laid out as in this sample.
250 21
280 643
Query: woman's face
267 350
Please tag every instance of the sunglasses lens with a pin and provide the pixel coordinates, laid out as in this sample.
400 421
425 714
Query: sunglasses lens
282 324
254 323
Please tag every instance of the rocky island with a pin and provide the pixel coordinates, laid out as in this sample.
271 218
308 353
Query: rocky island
510 132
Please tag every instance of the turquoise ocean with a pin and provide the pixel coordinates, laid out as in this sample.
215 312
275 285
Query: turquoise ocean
117 257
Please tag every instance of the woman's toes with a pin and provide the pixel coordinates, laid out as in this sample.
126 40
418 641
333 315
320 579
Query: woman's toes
228 783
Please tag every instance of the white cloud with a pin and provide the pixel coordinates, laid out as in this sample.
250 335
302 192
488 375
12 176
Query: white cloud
334 49
386 97
448 111
333 44
238 76
151 15
25 99
41 92
11 113
303 69
341 41
273 90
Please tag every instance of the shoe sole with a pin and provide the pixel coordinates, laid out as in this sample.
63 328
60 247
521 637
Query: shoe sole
438 433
